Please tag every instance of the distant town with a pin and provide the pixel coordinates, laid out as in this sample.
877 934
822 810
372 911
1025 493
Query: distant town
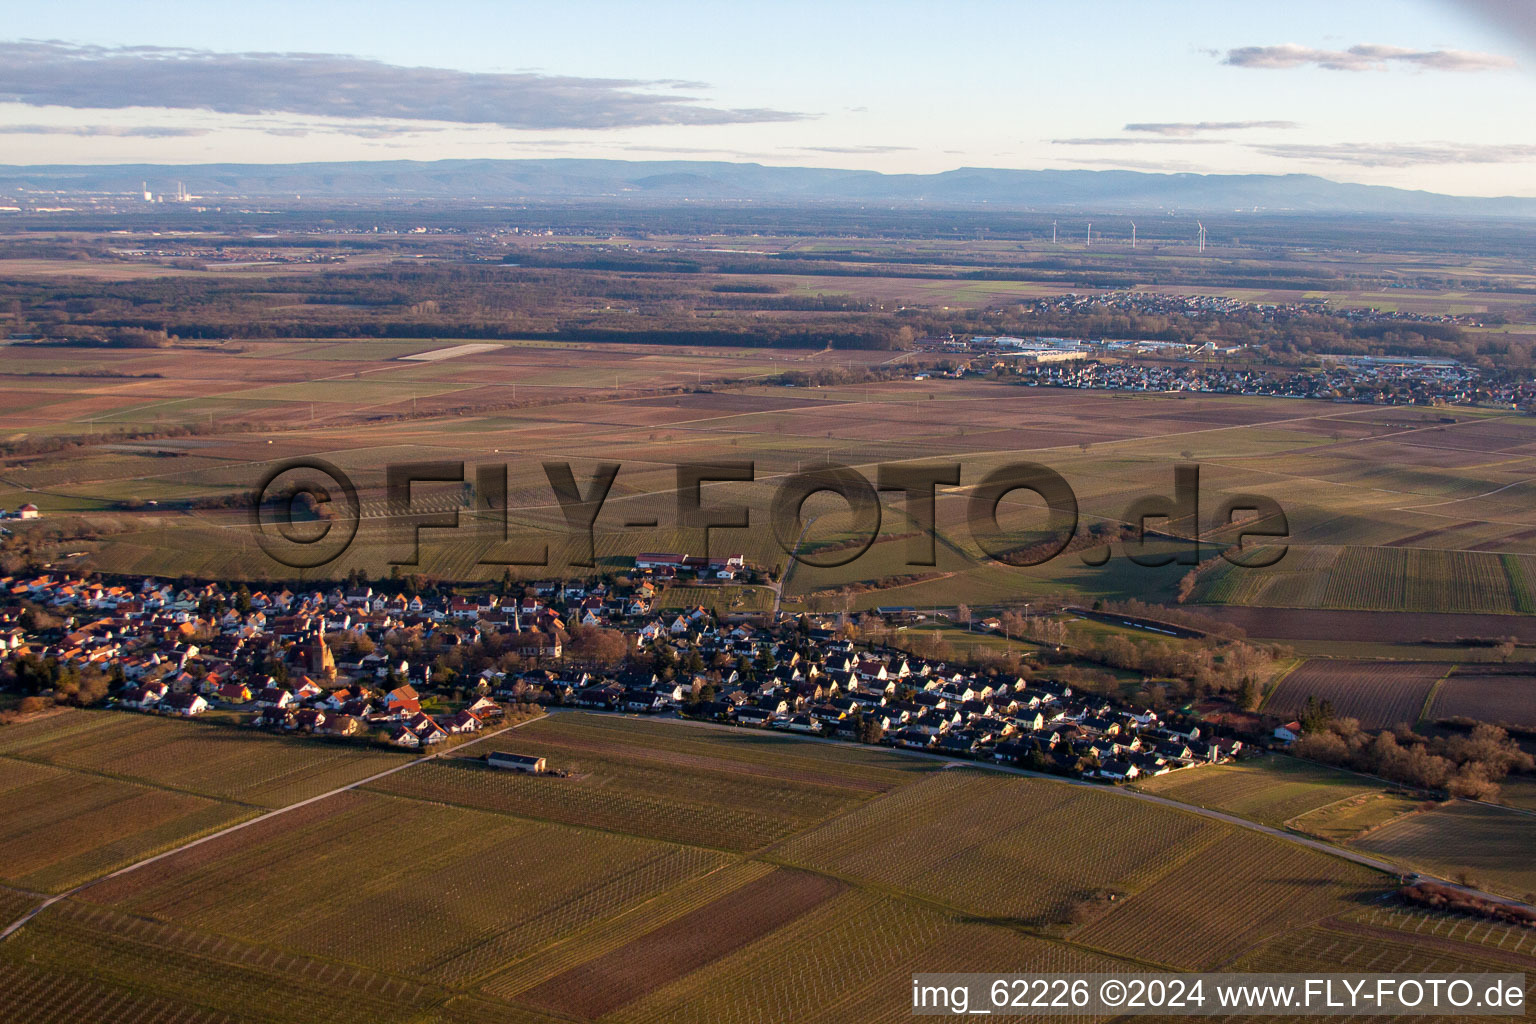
1206 367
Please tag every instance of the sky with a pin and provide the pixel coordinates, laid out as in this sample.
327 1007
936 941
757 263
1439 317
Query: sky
1424 94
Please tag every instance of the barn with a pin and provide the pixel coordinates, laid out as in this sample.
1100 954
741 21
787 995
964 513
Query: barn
515 762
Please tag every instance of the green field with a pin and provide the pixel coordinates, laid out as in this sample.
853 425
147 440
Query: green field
1271 790
1348 819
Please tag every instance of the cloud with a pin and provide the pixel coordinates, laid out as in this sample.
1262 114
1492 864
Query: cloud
1365 57
1124 141
361 131
53 73
1392 154
854 149
143 131
1193 127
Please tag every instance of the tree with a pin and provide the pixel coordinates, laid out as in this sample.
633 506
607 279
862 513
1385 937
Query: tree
597 645
870 730
1471 782
1248 695
1316 714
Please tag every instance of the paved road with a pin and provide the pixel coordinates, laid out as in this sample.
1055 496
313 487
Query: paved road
14 926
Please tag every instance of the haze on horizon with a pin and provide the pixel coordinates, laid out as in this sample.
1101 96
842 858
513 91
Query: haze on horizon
1419 94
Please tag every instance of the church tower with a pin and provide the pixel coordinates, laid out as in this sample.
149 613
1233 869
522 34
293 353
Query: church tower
322 665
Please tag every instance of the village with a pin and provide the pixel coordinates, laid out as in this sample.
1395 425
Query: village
415 671
1360 379
1207 368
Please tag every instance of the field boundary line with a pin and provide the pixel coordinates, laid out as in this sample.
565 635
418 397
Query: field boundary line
1434 691
1274 683
17 925
478 982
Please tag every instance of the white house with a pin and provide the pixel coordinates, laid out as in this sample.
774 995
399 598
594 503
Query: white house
1288 733
187 704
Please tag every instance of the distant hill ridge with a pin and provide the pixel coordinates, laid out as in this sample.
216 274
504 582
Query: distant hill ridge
678 180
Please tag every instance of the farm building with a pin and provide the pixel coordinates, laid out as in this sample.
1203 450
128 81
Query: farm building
659 560
515 762
719 565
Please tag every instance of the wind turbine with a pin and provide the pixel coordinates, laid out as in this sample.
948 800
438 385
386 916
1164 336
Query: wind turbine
1133 234
1053 232
1202 236
1090 235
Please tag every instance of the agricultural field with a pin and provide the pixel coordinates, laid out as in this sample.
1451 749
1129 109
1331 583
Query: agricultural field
1031 855
1271 790
1166 923
679 871
79 962
1383 544
1361 943
393 919
603 935
229 764
674 872
1386 629
1387 578
837 964
722 600
92 791
1518 791
1379 694
62 827
1495 937
651 961
729 793
1362 485
14 903
1488 844
1352 818
1491 695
